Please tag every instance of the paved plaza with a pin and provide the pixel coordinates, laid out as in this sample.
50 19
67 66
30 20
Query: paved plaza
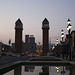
10 59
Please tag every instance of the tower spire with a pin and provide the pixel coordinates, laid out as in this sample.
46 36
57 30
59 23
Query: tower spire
18 36
45 28
45 21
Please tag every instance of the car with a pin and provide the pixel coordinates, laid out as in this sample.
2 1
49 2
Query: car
34 55
17 55
23 54
30 55
14 55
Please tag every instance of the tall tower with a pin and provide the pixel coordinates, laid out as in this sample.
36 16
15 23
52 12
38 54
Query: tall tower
45 28
18 36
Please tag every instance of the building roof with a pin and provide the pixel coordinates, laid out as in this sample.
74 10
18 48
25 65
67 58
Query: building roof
45 21
19 22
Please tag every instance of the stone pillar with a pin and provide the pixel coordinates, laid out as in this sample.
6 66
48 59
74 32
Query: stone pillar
45 70
72 71
17 70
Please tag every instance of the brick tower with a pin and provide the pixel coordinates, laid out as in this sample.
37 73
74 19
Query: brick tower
45 28
18 36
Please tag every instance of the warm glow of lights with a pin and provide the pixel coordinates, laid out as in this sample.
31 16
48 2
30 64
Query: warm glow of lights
56 42
39 51
39 44
57 71
62 33
53 47
69 26
62 36
57 68
68 21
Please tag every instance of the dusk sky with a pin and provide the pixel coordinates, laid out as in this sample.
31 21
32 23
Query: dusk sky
32 13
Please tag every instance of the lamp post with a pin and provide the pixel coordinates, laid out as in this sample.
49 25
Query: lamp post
69 30
62 36
56 44
9 42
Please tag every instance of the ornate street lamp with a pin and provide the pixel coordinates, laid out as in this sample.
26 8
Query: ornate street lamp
69 30
56 42
56 45
62 36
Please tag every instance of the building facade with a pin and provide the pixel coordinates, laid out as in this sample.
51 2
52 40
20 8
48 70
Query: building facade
29 45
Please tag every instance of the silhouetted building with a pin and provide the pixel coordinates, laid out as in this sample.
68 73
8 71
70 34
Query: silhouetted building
0 47
26 38
18 36
31 39
73 41
19 46
29 45
4 47
45 28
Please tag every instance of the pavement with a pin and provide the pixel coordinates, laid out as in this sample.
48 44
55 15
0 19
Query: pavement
10 59
7 62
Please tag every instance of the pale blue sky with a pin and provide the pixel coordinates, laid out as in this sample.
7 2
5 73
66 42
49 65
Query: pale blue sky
32 13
